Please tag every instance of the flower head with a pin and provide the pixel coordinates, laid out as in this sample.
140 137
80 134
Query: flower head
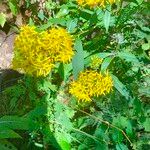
94 3
91 83
95 62
35 53
61 42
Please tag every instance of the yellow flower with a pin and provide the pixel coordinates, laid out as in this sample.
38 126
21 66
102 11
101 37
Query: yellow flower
61 43
35 53
89 84
94 3
95 62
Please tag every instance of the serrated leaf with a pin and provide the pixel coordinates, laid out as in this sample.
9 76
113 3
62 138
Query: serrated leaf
2 19
78 59
120 86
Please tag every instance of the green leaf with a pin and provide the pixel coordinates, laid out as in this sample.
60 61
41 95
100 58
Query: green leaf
145 46
104 55
14 122
63 140
106 18
64 71
55 21
61 70
67 71
101 146
121 146
137 107
5 145
31 22
129 129
63 11
128 57
65 145
2 19
41 15
146 125
50 138
139 1
120 121
78 59
106 63
13 7
45 26
117 136
120 86
38 111
71 25
8 133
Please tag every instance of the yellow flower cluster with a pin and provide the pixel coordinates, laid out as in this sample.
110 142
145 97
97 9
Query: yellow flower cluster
94 3
91 83
95 62
35 53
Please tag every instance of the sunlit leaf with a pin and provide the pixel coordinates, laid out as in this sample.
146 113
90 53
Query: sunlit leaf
106 18
2 19
78 59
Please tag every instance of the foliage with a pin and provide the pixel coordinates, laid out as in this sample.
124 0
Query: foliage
45 115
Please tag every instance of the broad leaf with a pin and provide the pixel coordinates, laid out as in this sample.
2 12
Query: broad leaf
78 59
14 122
128 57
120 86
8 133
106 63
106 18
